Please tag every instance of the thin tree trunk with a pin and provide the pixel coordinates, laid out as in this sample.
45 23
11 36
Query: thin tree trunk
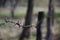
1 3
4 2
26 30
50 20
51 11
39 25
13 6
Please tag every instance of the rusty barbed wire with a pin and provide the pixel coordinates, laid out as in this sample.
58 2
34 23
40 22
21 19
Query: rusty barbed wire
19 24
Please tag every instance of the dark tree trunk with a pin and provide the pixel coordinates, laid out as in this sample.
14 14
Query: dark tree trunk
48 29
39 25
26 29
50 20
58 3
4 2
13 6
51 12
1 3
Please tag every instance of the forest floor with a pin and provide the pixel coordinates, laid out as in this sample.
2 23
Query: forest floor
10 31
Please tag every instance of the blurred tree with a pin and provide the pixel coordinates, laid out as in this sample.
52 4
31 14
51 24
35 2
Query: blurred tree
13 6
50 20
26 28
58 3
2 3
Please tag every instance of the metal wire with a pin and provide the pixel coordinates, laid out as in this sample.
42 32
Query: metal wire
19 24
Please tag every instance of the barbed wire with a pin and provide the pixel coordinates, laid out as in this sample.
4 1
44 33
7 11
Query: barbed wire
19 24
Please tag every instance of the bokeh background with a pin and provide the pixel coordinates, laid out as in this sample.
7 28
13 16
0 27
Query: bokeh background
10 31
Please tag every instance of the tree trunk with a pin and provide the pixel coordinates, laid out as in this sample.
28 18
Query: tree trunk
4 2
13 6
50 20
26 29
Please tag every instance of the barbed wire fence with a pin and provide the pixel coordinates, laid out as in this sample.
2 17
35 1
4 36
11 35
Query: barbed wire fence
27 26
37 25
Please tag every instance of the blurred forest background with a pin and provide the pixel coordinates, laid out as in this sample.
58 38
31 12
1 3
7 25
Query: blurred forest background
21 7
15 11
